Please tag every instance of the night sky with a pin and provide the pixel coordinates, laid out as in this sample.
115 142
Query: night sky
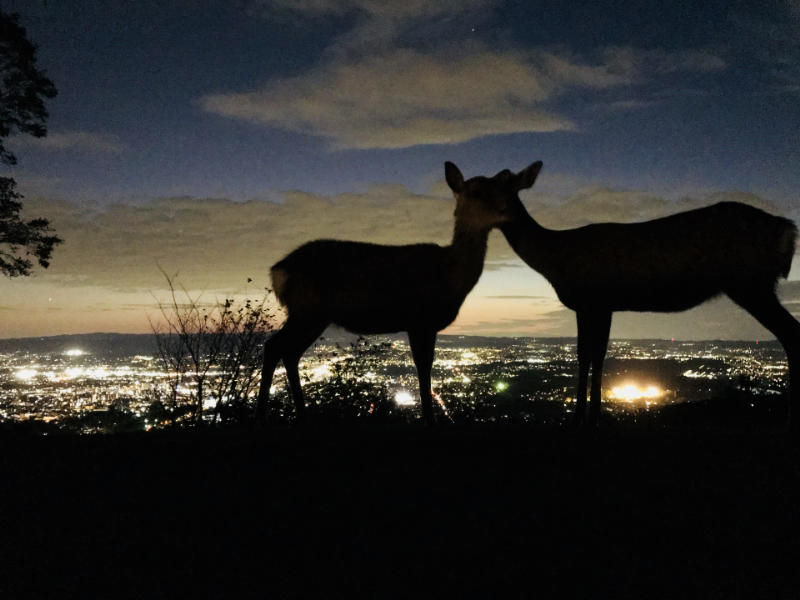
211 137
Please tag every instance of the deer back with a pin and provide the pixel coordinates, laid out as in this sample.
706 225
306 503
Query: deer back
672 263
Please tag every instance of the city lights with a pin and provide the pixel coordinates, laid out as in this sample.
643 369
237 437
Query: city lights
321 372
404 399
631 392
516 379
26 373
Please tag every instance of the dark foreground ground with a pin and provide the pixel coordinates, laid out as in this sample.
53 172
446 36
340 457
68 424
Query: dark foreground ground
460 512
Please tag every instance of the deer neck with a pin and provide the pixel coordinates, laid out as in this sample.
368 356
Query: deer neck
467 252
533 243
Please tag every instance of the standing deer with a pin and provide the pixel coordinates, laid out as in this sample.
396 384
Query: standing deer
371 289
664 265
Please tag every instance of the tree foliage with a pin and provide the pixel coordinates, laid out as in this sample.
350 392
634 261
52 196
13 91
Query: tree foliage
20 240
23 87
23 90
211 353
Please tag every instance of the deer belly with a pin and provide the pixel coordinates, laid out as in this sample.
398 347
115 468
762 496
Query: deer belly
653 296
392 317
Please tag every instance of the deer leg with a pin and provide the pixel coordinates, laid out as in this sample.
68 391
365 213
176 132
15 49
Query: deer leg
601 329
422 348
272 356
295 347
292 364
767 309
288 344
584 361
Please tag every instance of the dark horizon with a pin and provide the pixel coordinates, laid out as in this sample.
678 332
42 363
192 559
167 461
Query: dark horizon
121 345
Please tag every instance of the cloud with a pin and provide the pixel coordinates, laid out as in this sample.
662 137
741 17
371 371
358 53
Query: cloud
698 61
625 104
719 318
789 294
217 244
111 256
84 141
772 36
374 8
519 297
402 75
30 183
657 98
375 22
647 63
405 97
519 327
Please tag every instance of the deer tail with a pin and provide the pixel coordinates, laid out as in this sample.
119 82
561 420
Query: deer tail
280 281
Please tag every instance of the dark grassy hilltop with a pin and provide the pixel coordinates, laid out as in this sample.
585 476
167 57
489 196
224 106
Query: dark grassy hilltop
471 511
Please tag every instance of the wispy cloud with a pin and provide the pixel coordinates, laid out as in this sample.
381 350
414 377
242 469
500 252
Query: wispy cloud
83 141
220 243
625 104
404 98
380 9
403 75
370 9
773 38
376 23
647 63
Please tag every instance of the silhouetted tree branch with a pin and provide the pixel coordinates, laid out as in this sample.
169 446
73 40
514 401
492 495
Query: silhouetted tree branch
23 87
210 352
21 239
23 90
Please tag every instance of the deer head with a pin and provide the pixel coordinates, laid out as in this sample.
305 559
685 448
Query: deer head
484 202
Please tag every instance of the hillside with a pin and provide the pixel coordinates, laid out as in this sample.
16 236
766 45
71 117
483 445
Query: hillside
406 512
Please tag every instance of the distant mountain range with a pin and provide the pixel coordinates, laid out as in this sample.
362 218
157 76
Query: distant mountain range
111 344
125 344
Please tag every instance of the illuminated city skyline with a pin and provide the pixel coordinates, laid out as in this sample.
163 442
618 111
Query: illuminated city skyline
81 378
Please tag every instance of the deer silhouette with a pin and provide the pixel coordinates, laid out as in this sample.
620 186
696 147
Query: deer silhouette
669 264
372 289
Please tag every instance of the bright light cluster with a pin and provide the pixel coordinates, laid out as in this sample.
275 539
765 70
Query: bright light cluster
321 372
631 392
404 399
94 373
83 373
26 373
699 375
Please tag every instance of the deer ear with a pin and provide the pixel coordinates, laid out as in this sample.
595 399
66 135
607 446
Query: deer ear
503 175
527 177
454 177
